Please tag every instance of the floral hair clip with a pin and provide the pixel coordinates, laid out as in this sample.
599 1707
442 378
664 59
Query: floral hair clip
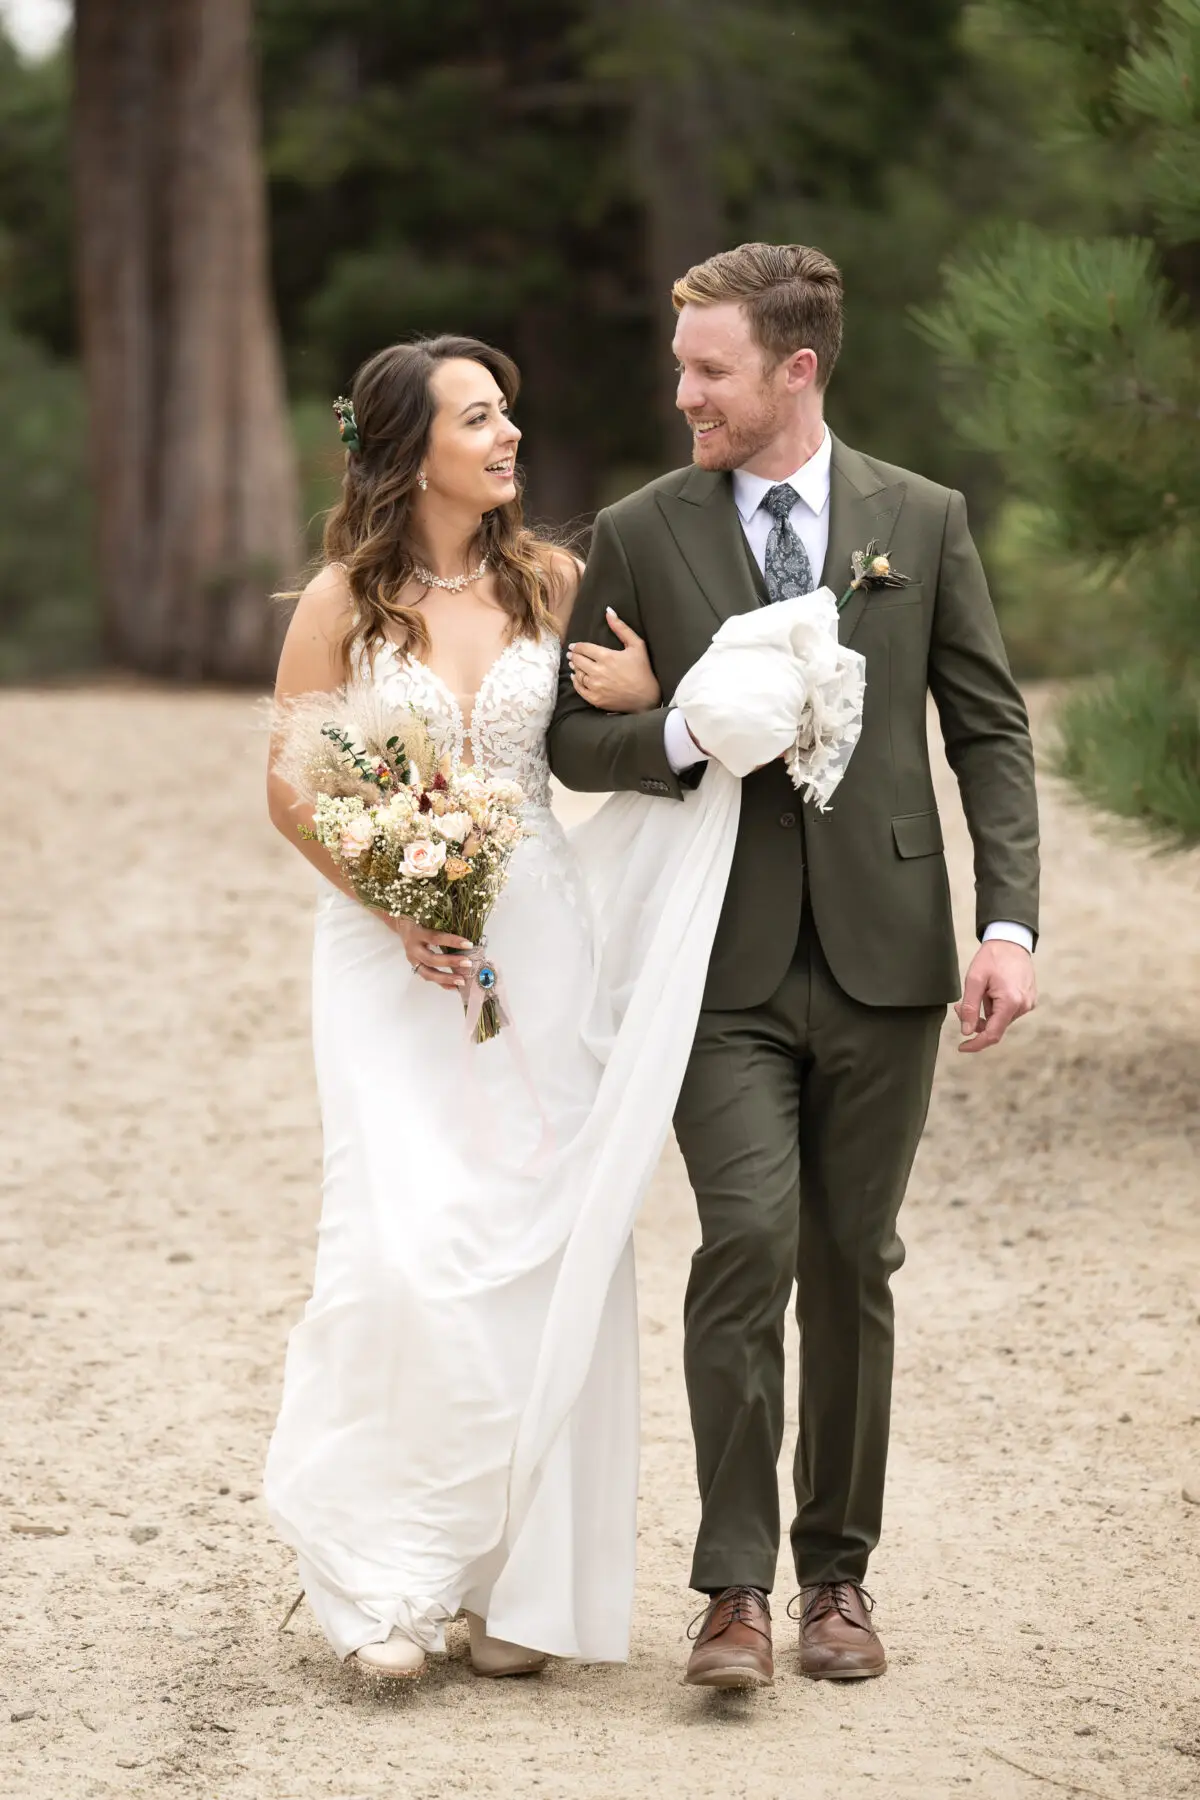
347 423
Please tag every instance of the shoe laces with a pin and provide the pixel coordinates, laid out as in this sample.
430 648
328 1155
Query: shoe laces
742 1605
827 1597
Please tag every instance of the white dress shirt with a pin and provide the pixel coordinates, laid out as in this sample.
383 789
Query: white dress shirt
809 519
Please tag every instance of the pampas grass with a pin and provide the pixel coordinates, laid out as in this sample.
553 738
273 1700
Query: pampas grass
309 760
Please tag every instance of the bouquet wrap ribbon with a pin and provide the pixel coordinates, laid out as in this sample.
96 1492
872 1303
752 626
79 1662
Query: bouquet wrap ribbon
478 961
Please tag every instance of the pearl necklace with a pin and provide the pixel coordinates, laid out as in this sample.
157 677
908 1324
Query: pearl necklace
454 584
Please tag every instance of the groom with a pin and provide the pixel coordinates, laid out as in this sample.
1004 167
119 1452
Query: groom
834 959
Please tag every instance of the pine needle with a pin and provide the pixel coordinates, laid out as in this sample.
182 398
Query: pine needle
291 1610
1071 1787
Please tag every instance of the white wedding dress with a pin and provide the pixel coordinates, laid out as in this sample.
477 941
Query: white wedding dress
459 1422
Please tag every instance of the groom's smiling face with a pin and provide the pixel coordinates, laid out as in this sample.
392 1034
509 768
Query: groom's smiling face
734 401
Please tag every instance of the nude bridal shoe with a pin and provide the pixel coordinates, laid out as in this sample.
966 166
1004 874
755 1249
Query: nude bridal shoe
398 1659
492 1656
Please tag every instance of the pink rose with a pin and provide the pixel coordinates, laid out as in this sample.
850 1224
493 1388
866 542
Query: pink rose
357 837
424 858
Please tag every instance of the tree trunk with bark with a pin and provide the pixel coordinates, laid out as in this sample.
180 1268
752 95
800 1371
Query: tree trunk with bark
559 450
672 132
196 488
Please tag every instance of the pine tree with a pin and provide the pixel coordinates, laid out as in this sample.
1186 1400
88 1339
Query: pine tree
1077 361
540 173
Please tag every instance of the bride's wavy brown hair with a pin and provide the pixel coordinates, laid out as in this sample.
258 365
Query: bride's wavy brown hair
369 531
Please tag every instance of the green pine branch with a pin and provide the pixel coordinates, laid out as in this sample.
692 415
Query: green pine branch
1077 362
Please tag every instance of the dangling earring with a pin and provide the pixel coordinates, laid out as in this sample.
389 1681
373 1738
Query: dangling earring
421 481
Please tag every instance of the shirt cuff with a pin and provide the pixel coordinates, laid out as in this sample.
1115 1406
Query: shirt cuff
679 744
1003 928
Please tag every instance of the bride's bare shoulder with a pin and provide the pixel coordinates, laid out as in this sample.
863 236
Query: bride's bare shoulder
327 597
312 654
564 572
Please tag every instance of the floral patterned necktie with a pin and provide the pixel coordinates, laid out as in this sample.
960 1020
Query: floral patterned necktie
788 571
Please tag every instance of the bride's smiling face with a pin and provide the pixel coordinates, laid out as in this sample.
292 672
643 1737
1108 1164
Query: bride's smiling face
471 457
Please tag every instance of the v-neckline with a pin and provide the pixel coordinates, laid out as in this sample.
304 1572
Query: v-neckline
465 721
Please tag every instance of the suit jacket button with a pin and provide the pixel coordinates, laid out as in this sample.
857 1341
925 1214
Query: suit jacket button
787 820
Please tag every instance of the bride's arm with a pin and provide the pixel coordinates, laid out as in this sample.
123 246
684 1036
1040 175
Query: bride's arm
614 681
602 752
309 663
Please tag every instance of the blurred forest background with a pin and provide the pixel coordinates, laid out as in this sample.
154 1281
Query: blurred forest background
209 214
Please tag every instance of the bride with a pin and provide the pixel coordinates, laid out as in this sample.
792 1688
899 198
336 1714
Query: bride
409 1379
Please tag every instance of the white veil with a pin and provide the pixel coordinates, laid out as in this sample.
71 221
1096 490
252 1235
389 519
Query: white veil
773 683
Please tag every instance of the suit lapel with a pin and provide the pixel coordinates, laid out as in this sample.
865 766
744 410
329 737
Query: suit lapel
861 508
704 522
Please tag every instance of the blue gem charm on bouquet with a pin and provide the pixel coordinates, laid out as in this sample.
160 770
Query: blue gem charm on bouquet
483 999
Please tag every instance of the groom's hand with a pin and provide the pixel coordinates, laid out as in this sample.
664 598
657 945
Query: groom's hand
1001 986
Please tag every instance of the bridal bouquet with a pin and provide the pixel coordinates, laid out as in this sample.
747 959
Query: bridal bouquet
417 836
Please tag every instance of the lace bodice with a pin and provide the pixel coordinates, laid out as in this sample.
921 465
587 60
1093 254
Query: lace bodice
510 716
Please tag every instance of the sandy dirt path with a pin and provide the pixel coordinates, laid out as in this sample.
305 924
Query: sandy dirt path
1039 1580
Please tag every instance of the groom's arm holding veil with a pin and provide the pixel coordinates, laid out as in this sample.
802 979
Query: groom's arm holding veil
600 752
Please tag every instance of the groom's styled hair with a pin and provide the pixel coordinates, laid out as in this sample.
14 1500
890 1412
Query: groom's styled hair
792 297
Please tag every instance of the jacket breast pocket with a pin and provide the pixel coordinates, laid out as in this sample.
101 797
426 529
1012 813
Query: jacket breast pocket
891 599
917 834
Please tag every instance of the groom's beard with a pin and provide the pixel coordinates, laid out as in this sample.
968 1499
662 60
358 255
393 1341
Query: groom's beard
735 443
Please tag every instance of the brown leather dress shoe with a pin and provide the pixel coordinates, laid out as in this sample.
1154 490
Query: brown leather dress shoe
733 1644
837 1639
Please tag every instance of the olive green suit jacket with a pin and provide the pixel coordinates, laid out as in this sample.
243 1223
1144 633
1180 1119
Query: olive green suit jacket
672 561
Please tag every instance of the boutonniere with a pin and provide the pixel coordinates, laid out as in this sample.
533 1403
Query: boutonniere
872 569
